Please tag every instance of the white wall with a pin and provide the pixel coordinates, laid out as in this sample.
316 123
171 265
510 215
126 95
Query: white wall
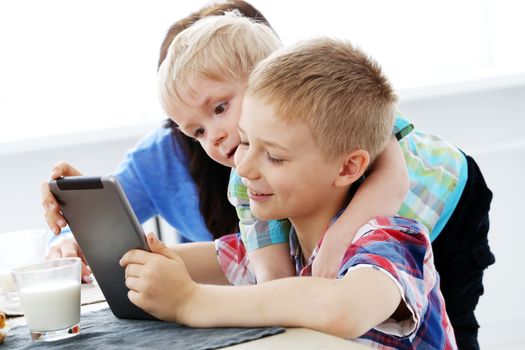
489 125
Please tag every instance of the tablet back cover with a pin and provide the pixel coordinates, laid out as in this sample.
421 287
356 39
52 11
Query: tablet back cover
105 227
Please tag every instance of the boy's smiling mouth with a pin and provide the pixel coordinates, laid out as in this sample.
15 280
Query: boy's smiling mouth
258 196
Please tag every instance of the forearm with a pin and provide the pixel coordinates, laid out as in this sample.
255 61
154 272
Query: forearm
346 307
388 181
289 302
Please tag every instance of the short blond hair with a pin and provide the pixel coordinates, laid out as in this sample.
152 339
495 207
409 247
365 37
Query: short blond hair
224 47
334 87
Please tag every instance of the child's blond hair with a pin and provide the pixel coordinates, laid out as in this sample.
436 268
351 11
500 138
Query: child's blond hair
334 87
222 48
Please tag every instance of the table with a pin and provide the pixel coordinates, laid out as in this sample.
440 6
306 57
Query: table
302 338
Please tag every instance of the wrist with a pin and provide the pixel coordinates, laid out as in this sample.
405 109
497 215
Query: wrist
340 236
188 309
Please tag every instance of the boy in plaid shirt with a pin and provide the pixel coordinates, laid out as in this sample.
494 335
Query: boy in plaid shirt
314 117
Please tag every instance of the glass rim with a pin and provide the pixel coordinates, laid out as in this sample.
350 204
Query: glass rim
30 268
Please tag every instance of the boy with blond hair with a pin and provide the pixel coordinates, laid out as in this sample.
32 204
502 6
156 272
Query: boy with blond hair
314 117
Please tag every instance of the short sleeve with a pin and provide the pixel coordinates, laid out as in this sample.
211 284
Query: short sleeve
402 253
233 260
255 233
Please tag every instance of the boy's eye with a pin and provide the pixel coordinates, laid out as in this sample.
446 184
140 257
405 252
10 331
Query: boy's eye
198 133
221 108
273 160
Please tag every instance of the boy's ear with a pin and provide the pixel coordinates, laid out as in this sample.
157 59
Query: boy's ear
353 166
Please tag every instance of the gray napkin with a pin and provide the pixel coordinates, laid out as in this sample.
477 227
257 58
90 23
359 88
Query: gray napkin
101 330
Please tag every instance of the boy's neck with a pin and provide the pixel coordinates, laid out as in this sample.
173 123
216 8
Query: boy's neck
310 228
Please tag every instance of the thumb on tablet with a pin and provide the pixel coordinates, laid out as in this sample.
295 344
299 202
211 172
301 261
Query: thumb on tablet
158 247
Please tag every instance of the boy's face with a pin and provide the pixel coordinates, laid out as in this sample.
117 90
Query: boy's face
281 165
209 112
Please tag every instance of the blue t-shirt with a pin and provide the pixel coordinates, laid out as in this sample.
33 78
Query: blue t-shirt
156 180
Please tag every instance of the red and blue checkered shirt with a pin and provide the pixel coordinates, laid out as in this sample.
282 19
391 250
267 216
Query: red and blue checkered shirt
396 246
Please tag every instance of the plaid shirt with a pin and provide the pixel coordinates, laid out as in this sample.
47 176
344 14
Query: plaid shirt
396 246
437 171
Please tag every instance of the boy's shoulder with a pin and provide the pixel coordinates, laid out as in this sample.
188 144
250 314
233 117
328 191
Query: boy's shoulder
391 223
392 243
397 232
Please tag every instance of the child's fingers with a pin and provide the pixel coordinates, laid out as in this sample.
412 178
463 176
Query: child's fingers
54 252
69 248
52 213
58 170
48 200
86 271
139 299
55 221
135 256
86 274
63 169
134 270
135 298
134 284
158 247
53 216
53 226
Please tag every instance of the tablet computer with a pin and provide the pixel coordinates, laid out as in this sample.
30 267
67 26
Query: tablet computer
105 227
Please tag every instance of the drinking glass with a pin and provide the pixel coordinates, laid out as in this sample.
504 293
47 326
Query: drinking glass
49 294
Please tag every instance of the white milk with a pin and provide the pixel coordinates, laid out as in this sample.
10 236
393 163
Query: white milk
51 306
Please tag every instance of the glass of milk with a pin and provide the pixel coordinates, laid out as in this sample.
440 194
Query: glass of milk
49 294
19 248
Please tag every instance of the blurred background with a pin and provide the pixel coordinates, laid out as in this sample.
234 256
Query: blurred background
78 83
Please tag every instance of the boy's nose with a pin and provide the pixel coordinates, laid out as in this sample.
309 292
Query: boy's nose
245 167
